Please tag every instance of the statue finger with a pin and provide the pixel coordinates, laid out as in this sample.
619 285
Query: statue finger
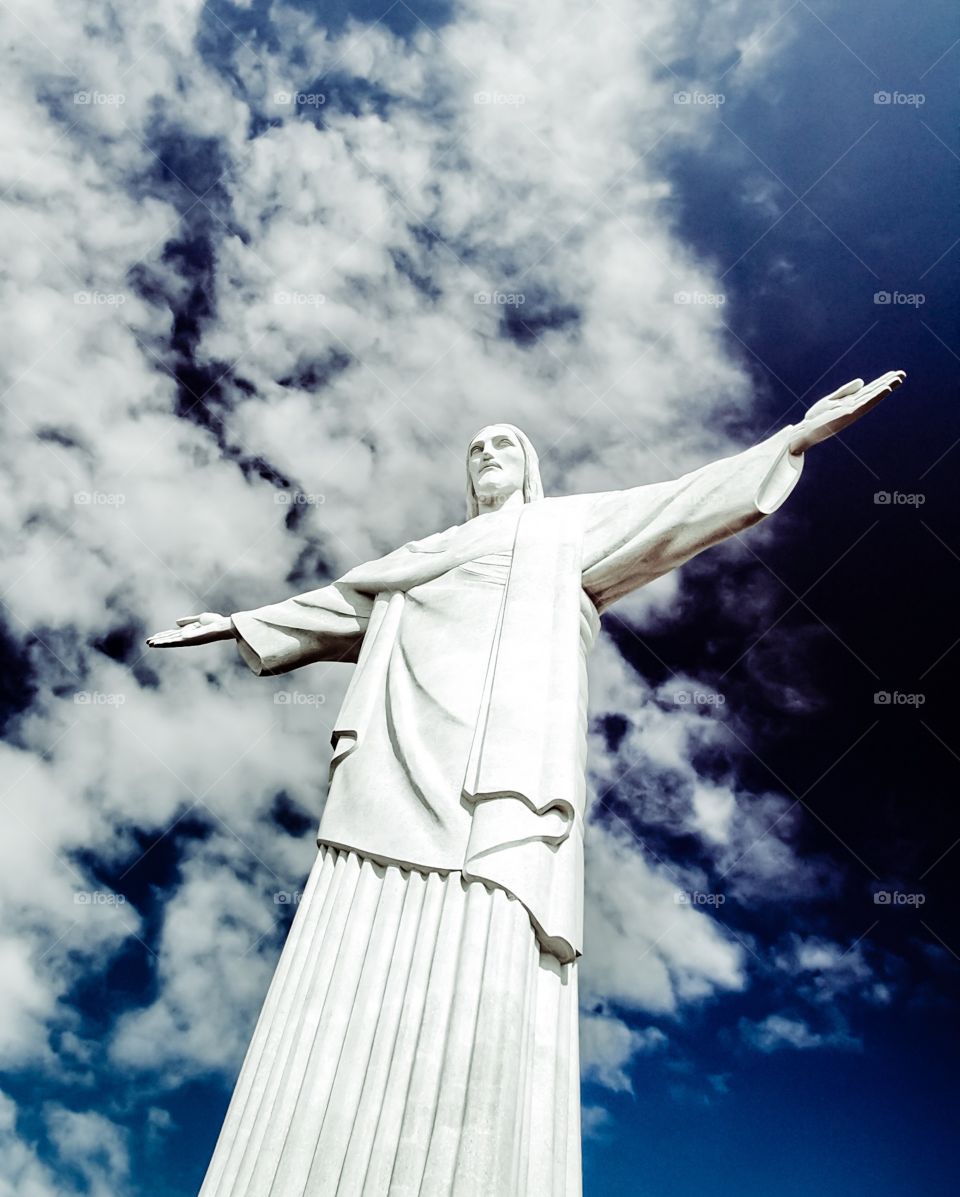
880 387
848 388
188 619
892 379
158 639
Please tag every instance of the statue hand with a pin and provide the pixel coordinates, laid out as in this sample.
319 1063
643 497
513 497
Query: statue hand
833 413
194 629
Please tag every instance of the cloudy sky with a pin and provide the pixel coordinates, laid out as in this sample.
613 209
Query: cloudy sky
267 267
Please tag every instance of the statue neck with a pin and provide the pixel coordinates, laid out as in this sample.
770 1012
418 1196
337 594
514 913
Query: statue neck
499 502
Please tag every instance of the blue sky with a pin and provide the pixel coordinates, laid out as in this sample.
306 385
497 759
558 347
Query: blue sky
246 248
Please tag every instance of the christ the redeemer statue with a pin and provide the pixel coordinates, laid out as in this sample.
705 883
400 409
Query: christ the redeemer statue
420 1034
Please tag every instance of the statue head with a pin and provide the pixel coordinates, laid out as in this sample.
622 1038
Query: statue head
501 461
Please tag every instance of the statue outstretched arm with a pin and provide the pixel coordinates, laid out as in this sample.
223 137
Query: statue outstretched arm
634 536
327 624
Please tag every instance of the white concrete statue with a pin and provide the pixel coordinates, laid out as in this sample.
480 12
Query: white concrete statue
420 1034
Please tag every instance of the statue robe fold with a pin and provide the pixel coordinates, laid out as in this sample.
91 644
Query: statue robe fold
461 742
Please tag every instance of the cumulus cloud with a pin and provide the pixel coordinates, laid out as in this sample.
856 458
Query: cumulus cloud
89 1155
824 983
654 782
595 1121
822 971
644 950
214 961
777 1031
93 1145
608 1045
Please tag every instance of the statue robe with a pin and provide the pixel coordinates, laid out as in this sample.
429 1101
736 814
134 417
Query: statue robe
461 742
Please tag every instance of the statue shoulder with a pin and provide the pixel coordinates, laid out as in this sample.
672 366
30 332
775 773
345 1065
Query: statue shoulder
567 504
437 542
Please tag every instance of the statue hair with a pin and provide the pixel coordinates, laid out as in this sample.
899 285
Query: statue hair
532 486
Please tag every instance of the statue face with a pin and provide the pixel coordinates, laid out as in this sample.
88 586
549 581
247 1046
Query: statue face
496 463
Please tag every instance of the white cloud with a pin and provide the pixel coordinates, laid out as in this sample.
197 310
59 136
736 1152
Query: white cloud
713 811
777 1031
22 1174
653 782
823 971
89 1155
607 1047
215 958
93 1145
642 949
594 1121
